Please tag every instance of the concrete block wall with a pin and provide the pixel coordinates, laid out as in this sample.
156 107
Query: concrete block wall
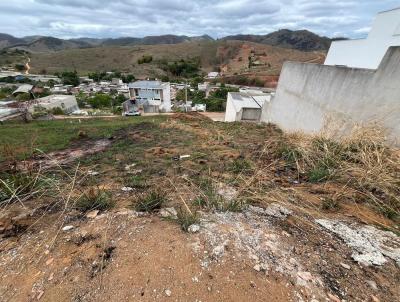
313 98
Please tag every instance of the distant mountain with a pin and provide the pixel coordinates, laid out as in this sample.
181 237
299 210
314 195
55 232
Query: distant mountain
8 40
154 40
46 44
88 41
299 39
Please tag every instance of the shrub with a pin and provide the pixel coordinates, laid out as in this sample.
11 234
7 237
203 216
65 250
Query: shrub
186 219
136 181
329 204
318 174
209 199
362 161
240 166
57 111
145 59
95 199
22 184
182 68
100 100
150 202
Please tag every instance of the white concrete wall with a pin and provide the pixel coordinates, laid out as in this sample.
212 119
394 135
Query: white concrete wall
166 101
313 97
230 110
368 53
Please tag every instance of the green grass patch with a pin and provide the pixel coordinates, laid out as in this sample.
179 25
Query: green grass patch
319 174
150 202
135 181
95 199
186 219
241 166
49 136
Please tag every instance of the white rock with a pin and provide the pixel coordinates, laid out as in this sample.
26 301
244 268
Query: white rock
306 276
128 167
92 214
168 212
67 228
346 266
218 251
168 293
260 267
127 189
372 284
194 228
369 244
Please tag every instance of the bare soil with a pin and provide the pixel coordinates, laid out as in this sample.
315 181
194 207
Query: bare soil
280 247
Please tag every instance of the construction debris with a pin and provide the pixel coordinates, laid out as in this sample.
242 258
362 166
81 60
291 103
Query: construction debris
369 245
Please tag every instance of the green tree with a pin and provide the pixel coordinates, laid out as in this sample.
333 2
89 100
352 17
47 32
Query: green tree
81 99
145 59
128 78
100 100
23 97
222 93
119 99
19 67
70 78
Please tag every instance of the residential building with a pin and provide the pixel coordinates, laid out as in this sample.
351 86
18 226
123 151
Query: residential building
315 98
67 103
369 52
151 96
116 81
245 106
213 75
203 86
25 88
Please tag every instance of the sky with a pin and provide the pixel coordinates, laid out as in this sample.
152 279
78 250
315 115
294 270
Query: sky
217 18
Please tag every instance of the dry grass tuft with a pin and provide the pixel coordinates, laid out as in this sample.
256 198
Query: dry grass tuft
362 161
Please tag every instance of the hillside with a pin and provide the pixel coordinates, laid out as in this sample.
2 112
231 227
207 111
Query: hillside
300 39
154 40
8 40
49 44
232 57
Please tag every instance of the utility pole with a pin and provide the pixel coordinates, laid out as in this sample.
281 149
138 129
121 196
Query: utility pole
186 95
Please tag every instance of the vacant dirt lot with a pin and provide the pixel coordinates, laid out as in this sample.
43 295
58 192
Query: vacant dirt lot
181 208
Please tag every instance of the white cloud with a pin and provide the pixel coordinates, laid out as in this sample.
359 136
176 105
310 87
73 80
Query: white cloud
137 18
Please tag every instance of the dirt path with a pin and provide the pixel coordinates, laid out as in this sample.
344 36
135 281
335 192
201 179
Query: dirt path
27 66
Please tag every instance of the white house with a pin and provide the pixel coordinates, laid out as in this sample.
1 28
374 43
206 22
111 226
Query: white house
245 106
213 75
67 103
152 96
369 52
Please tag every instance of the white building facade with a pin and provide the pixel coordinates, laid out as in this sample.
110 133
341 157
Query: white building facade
67 103
369 52
151 96
245 106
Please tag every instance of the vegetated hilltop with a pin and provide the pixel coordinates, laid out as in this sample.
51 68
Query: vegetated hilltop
302 40
8 40
50 44
299 39
232 57
154 40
